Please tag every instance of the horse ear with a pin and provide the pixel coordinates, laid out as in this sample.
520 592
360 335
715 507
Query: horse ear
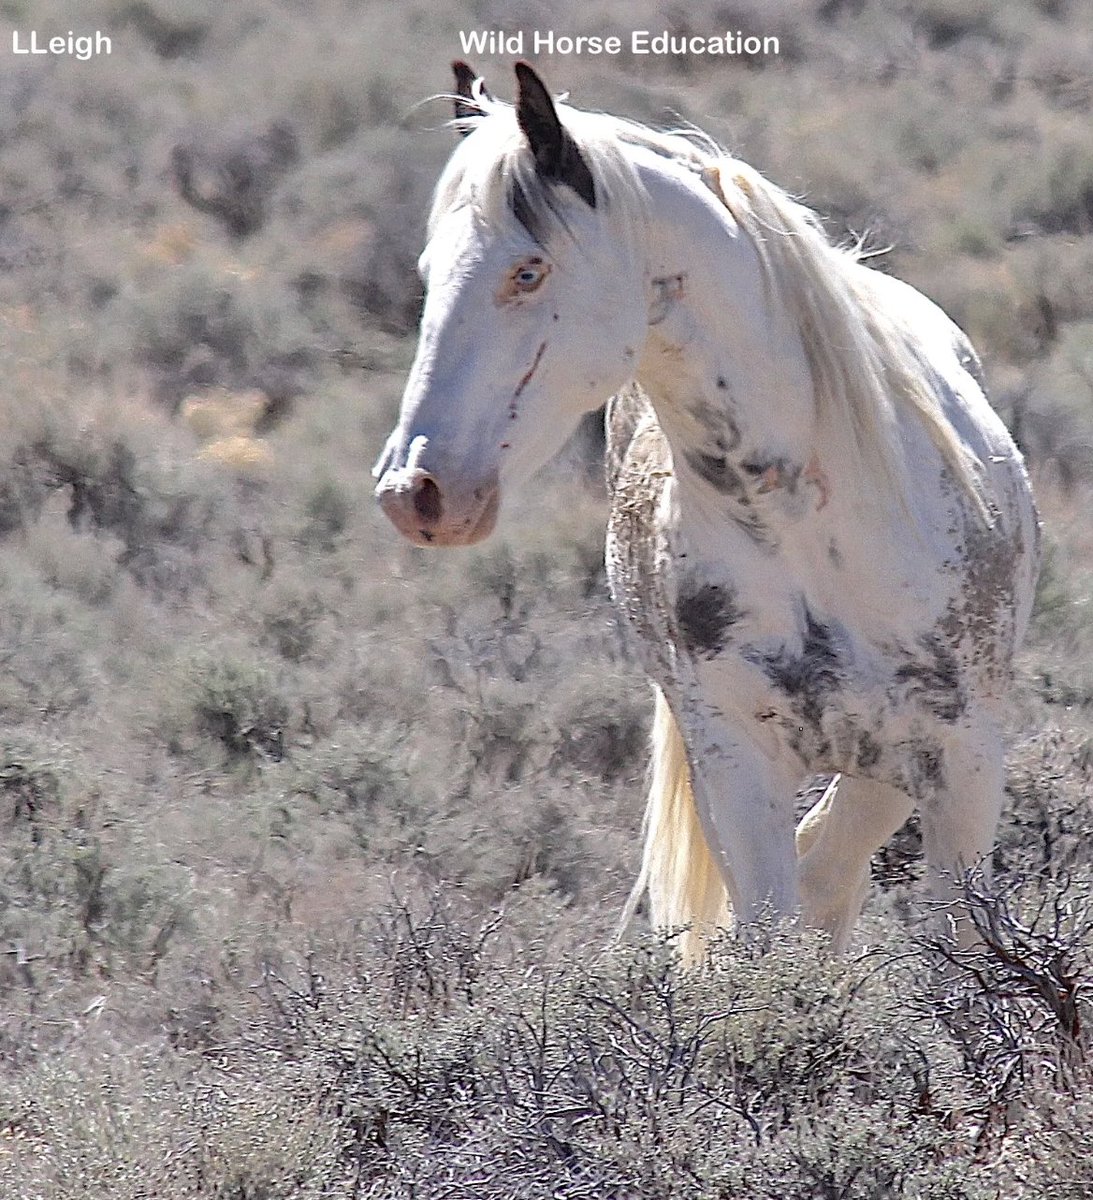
465 105
556 155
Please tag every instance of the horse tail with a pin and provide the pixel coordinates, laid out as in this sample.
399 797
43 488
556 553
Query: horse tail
686 888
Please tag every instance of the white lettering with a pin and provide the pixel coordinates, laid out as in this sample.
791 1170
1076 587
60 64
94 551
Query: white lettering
473 41
643 41
549 42
491 41
82 46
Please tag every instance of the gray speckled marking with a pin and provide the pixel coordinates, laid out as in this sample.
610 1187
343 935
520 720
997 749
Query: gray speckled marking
933 678
986 607
722 476
807 678
868 752
786 476
716 470
719 426
926 769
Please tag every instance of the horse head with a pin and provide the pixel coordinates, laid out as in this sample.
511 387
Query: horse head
533 316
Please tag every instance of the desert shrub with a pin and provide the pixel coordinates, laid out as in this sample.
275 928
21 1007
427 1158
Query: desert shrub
239 704
1059 1152
946 21
120 1127
201 327
291 620
367 775
1056 416
1014 1003
1060 198
108 486
171 30
31 788
615 1073
71 906
47 635
327 512
1048 818
858 1152
603 729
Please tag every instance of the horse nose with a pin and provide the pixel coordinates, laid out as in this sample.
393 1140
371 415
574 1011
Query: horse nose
458 514
415 502
426 498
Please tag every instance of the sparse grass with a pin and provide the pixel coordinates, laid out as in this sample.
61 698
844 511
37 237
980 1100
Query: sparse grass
313 841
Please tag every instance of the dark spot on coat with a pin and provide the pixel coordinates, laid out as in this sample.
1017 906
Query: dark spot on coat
716 470
926 770
721 382
718 424
834 555
705 616
810 676
750 523
722 476
728 441
783 473
933 679
869 751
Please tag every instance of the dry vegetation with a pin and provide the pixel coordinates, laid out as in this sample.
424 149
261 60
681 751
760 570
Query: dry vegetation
311 840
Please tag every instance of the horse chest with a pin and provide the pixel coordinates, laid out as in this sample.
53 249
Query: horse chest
760 652
807 690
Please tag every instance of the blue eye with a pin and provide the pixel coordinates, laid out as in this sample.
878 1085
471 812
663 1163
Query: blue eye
528 275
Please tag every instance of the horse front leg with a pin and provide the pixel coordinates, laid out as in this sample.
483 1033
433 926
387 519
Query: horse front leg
744 799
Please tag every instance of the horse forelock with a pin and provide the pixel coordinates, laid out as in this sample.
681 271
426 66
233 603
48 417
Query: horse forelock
494 171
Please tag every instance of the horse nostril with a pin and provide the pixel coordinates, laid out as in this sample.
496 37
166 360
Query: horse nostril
427 500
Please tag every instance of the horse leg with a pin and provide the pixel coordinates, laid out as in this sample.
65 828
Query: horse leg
962 792
744 802
836 839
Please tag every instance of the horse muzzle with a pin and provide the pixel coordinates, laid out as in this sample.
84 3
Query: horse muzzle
429 514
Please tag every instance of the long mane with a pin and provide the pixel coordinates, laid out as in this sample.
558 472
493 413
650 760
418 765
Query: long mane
863 363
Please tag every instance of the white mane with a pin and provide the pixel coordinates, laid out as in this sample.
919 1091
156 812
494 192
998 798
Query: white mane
861 362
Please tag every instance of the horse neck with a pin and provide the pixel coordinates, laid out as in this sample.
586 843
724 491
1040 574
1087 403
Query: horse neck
723 362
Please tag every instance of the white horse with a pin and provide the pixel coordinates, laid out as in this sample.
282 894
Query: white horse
821 533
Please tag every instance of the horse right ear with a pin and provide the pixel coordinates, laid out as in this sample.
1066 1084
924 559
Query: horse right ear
466 106
556 155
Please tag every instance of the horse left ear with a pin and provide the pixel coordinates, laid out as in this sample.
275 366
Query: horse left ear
556 155
466 107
